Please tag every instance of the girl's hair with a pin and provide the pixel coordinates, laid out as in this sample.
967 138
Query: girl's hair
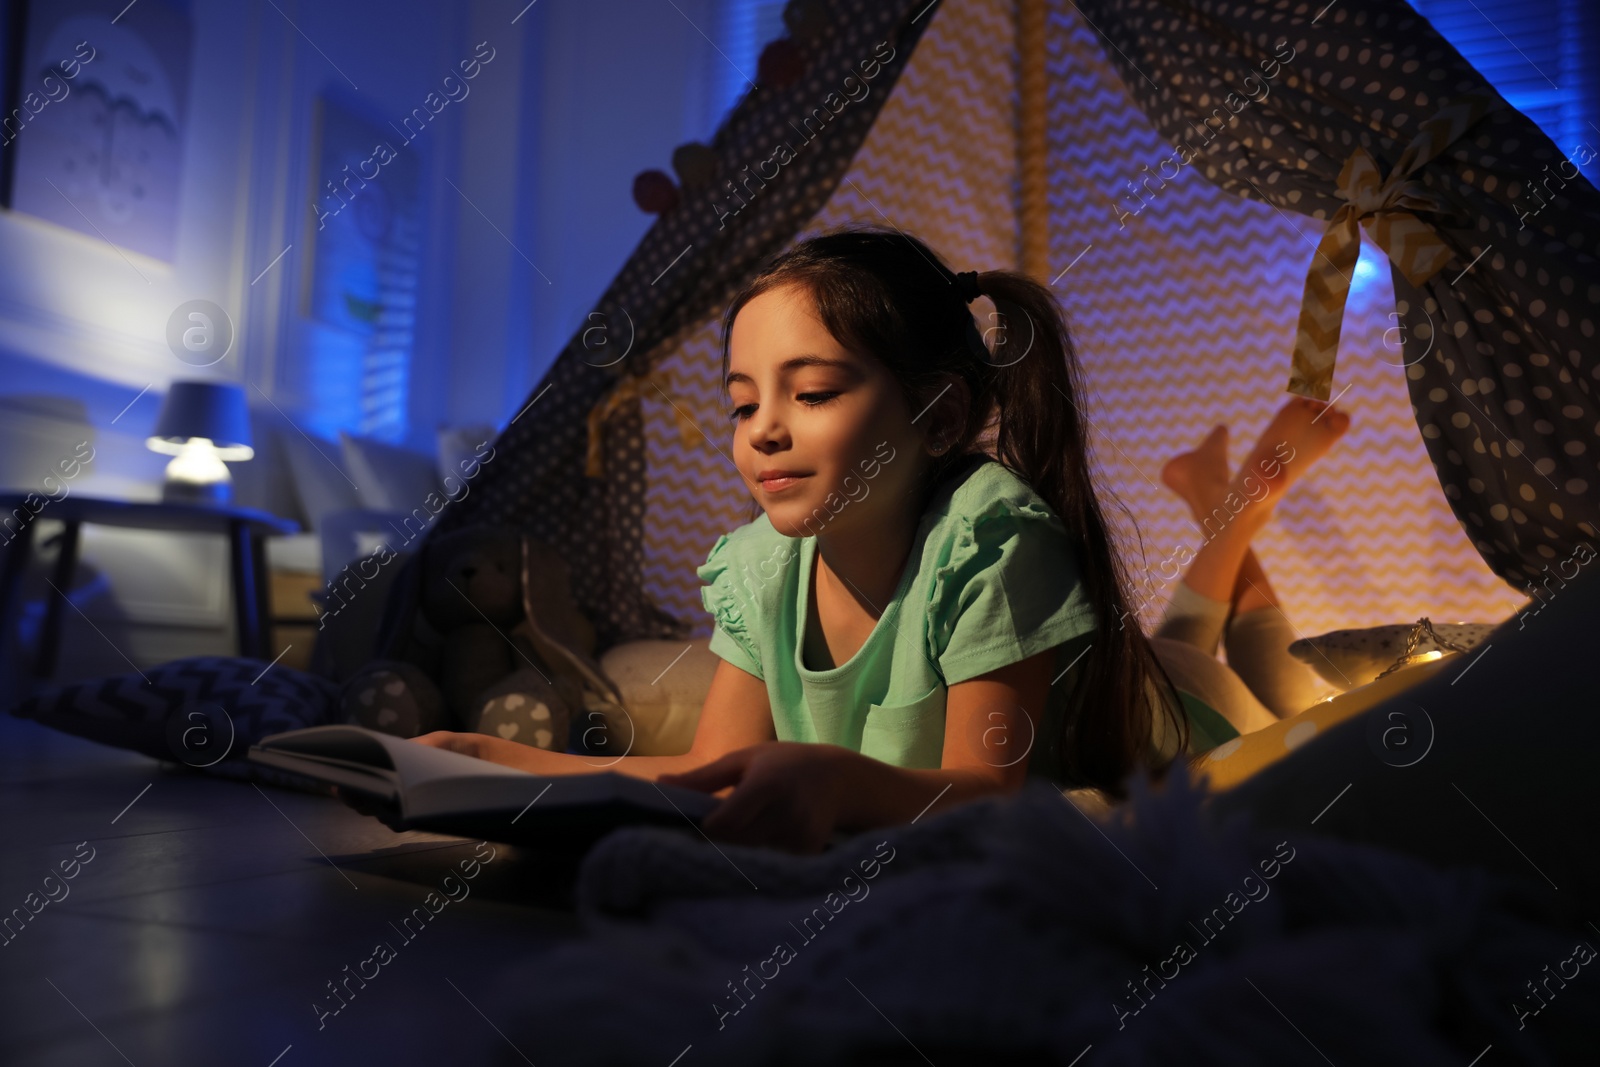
886 294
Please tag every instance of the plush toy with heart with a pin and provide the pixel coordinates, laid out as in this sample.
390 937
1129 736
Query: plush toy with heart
481 634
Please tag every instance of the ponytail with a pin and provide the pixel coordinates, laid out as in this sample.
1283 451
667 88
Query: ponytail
1042 434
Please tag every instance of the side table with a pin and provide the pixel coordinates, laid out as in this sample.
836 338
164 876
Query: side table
245 528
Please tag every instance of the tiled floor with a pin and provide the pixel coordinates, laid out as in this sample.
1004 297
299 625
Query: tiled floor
213 914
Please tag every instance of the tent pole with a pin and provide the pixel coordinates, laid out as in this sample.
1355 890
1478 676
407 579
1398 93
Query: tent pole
1033 106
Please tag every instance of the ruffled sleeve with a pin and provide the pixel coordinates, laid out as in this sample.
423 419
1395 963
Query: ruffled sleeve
731 639
1010 587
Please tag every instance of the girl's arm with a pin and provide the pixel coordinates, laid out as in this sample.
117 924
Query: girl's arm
794 795
736 714
991 725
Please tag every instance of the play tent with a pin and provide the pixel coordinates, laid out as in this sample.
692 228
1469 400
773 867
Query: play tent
1195 181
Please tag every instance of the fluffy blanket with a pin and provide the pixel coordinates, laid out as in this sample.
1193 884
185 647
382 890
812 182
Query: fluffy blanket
1023 930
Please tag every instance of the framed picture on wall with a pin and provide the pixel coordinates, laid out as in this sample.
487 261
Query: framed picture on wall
94 140
365 200
364 230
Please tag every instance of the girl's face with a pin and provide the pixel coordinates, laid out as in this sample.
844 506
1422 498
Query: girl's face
822 436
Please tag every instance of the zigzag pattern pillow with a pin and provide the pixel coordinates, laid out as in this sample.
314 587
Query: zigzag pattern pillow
202 711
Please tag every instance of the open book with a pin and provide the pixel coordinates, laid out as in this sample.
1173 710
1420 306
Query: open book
418 787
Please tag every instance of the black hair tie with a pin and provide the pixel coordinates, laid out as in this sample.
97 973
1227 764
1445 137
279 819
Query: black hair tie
967 286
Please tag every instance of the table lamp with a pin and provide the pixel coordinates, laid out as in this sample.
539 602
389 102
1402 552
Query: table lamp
202 424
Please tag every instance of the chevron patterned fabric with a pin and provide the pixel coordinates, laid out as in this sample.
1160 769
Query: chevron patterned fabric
1184 315
1497 348
1184 301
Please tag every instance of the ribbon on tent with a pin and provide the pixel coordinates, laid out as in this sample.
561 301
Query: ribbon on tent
631 387
1387 208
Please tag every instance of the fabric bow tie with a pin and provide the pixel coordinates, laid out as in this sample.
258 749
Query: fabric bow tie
1387 208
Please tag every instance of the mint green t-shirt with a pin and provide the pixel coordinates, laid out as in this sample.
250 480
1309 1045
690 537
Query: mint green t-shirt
992 578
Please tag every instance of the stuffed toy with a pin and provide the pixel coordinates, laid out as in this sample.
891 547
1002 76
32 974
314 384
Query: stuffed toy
481 634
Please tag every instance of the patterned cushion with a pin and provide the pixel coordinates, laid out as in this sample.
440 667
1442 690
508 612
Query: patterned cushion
1350 659
203 711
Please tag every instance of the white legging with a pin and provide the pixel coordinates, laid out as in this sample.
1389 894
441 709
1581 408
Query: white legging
1261 682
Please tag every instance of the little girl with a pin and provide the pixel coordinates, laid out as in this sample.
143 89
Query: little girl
941 621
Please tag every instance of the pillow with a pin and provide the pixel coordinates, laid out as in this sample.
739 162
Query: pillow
663 688
203 711
389 478
1352 658
320 479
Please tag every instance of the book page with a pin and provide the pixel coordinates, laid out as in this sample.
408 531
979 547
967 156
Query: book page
415 764
428 782
411 763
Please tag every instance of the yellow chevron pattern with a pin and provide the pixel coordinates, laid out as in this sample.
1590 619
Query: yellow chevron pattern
1182 313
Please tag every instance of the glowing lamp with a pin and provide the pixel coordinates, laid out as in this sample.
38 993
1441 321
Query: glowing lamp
203 426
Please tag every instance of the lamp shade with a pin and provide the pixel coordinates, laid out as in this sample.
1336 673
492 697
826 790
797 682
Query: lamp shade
215 411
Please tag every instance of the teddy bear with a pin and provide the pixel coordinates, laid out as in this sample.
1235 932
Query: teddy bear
481 634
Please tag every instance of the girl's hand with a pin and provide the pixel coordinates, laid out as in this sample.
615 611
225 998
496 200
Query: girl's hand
787 795
482 746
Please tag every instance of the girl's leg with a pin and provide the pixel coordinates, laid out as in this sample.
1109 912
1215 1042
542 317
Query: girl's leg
1193 620
1199 477
1208 678
1185 642
1199 608
1258 650
1230 511
1258 636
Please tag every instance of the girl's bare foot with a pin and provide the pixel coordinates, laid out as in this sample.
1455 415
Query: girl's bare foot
1201 477
1300 432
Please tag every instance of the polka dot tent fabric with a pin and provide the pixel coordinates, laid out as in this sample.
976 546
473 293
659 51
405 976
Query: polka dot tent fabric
1183 301
684 269
1498 345
1185 309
